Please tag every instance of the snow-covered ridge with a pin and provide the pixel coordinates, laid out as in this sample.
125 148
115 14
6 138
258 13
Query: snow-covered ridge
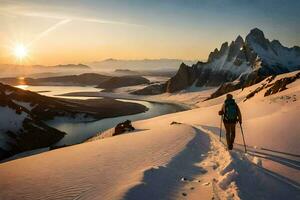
273 53
250 53
245 61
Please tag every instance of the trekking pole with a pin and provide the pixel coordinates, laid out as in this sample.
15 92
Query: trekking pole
221 127
243 137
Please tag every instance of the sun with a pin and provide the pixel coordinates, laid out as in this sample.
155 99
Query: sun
20 51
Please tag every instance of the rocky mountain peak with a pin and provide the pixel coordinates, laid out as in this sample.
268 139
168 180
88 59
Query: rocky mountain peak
239 40
256 33
212 55
297 49
224 47
256 36
235 47
276 43
217 54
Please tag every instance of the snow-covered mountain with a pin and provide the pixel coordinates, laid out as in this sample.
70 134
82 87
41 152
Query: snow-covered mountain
184 160
20 128
244 61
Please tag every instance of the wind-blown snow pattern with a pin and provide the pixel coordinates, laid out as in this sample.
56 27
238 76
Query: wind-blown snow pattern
161 163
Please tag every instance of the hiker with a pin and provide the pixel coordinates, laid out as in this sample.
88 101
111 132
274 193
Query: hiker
231 114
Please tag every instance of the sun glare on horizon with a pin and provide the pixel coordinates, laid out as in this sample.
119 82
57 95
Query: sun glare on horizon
20 51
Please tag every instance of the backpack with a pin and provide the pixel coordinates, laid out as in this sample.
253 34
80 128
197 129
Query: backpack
231 112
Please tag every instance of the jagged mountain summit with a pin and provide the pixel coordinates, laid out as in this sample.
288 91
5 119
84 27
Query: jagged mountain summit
244 61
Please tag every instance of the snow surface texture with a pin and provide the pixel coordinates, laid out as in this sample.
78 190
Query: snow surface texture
163 161
166 162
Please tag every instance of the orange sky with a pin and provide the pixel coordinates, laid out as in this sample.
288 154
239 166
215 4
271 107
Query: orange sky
79 41
80 31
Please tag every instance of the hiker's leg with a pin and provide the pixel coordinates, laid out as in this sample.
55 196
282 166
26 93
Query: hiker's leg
227 128
232 130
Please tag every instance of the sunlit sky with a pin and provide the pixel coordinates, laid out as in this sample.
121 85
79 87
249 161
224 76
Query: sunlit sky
83 31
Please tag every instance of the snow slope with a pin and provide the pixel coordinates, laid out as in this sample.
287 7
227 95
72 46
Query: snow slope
163 161
103 169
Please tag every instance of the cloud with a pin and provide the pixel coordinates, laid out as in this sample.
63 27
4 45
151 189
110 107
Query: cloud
18 9
103 21
52 28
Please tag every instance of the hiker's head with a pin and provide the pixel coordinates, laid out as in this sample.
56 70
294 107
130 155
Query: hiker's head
229 96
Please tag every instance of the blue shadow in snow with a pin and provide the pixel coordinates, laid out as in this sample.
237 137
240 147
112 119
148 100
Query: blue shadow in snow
162 182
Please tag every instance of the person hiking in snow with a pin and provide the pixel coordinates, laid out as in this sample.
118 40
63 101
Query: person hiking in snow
231 114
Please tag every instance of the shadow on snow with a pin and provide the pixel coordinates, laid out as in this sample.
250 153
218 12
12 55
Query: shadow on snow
164 181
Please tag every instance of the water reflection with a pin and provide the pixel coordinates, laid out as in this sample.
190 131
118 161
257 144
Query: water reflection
56 91
80 131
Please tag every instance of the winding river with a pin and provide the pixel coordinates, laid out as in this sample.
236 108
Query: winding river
78 132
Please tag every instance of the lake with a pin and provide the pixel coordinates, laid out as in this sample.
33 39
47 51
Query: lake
78 132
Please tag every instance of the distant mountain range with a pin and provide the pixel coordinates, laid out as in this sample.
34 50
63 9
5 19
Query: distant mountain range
10 70
75 66
238 64
140 65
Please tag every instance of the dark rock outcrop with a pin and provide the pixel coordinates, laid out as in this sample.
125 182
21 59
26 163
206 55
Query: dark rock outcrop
185 77
273 88
175 123
123 128
281 84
